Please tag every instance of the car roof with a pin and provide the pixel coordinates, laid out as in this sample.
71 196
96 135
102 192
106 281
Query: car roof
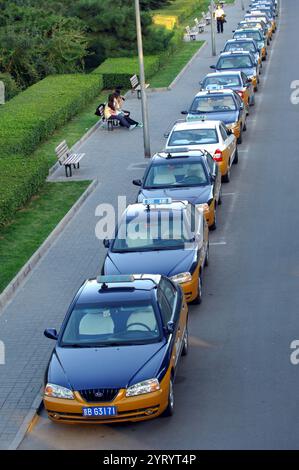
232 53
225 91
138 286
240 40
222 73
241 30
141 208
200 124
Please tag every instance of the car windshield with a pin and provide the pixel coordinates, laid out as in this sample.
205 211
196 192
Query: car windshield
240 46
178 174
249 34
234 62
115 324
213 104
222 80
153 230
193 137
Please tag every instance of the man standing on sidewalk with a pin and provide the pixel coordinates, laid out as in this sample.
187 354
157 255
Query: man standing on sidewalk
220 17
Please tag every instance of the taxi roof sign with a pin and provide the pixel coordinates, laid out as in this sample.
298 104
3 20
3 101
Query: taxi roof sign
115 279
157 201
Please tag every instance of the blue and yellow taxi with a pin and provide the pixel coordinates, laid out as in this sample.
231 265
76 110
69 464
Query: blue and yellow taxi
117 352
162 236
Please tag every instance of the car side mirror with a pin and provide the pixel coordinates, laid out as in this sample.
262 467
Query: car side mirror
229 131
184 112
137 182
249 80
213 177
233 30
170 327
106 243
51 333
212 66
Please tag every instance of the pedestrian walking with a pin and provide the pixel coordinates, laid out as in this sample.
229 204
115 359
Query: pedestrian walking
219 15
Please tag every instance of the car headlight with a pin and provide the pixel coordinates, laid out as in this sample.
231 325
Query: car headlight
147 386
56 391
203 207
182 277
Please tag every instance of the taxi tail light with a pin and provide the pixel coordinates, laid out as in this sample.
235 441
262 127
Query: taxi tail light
218 156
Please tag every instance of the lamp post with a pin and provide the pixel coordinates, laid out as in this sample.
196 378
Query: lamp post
213 39
146 137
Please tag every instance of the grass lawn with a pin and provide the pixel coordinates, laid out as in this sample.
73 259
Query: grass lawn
175 64
32 224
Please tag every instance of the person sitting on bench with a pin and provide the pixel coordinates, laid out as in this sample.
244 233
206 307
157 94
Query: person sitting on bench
119 101
112 112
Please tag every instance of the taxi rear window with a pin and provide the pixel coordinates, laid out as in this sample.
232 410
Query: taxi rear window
222 80
193 137
213 104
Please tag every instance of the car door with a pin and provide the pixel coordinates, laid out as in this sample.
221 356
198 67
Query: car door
215 176
175 310
229 145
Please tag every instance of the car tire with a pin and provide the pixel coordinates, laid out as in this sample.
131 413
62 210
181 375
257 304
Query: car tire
214 224
170 406
240 139
226 177
198 299
207 258
185 348
236 157
245 127
220 197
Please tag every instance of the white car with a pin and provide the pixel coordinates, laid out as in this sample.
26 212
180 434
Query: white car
212 136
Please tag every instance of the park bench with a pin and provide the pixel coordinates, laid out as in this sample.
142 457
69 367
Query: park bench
206 17
67 158
111 122
136 85
192 34
200 25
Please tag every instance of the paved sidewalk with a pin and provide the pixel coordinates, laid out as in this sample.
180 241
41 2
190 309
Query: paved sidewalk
114 158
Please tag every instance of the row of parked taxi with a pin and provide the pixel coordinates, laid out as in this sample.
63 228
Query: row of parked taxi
117 351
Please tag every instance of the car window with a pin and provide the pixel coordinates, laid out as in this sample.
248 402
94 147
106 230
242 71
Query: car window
211 163
240 46
222 81
111 324
176 174
213 103
193 136
223 132
234 62
244 78
169 292
165 309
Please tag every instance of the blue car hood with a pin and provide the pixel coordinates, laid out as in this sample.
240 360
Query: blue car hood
225 116
195 195
167 262
111 367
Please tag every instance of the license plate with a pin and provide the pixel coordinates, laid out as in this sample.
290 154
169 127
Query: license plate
99 411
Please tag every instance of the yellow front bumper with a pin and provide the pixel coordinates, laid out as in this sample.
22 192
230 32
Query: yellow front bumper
190 288
139 408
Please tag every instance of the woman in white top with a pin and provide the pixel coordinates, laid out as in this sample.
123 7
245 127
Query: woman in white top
220 18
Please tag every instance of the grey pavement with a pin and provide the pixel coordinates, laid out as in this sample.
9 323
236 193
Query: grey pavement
237 388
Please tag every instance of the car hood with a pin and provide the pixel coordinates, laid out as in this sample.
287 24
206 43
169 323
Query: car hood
167 262
111 367
195 195
225 116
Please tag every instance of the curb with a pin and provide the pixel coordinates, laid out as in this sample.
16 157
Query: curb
28 421
76 145
9 291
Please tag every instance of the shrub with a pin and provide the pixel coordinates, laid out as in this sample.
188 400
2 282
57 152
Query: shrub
117 71
33 115
11 87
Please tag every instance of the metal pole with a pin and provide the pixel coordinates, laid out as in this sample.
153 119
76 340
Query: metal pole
146 137
213 39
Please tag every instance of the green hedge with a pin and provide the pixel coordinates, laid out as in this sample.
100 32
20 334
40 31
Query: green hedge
117 71
33 115
27 120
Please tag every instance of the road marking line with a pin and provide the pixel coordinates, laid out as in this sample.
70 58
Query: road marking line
217 243
228 194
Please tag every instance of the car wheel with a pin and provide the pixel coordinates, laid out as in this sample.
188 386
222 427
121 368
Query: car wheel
198 299
240 138
220 197
214 224
245 127
207 258
170 406
185 343
226 177
236 157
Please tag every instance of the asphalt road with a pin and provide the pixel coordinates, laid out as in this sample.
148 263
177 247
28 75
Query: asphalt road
237 388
